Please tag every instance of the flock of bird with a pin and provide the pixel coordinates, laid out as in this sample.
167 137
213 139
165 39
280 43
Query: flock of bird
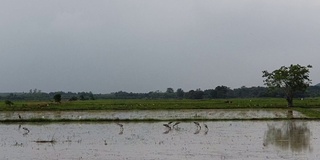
171 125
175 126
167 125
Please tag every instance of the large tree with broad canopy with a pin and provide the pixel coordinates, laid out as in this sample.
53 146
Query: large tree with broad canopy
290 79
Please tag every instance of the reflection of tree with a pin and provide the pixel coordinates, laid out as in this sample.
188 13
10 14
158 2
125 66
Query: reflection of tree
291 135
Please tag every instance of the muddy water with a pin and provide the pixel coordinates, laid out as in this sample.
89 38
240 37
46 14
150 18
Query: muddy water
155 114
136 141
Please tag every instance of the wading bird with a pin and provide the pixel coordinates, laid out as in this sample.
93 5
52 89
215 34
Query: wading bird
207 129
167 125
121 128
197 124
176 124
168 128
205 126
121 125
26 129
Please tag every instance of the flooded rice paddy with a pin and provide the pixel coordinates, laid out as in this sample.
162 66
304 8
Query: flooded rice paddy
284 139
159 140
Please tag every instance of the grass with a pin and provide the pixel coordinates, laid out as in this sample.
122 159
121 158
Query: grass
309 112
143 104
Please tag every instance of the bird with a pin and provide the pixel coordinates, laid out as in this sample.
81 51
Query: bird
121 125
207 129
121 128
168 128
26 129
19 116
175 124
167 125
197 124
205 126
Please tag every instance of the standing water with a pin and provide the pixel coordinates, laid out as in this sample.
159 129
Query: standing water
284 139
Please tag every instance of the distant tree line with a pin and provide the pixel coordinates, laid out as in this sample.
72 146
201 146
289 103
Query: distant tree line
219 92
52 96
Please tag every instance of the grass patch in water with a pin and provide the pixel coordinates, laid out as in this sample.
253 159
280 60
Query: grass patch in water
309 112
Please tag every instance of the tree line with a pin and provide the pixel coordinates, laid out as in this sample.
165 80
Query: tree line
219 92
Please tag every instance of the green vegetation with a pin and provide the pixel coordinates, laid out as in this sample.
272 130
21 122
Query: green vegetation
8 103
290 79
219 92
161 104
57 98
312 113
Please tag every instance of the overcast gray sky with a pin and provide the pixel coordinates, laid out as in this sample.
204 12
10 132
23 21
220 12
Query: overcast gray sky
105 46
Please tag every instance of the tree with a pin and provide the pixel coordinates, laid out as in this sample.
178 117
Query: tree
197 94
290 79
169 93
180 93
91 97
170 90
221 91
57 98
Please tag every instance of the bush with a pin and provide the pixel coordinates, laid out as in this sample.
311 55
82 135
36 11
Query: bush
57 98
8 103
73 98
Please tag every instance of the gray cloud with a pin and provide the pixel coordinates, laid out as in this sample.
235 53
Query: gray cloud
140 46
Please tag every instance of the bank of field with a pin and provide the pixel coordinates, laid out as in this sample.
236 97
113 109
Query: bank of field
161 104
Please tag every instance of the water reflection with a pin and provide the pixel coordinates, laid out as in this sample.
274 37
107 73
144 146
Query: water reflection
290 135
146 140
